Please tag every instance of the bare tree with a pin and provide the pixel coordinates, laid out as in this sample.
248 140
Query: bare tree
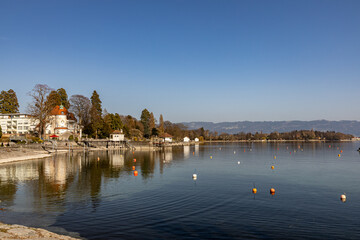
80 106
39 108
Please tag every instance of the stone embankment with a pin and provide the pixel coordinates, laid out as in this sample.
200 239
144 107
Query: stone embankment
12 232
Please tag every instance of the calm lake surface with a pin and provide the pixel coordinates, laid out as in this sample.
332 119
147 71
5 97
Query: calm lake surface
79 195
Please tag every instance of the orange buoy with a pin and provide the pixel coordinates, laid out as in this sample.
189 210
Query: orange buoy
133 152
135 173
244 150
134 159
193 153
274 157
343 197
272 191
133 167
254 190
341 151
272 167
339 155
98 159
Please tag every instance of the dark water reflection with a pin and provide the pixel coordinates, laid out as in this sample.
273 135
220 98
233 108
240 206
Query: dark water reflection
95 195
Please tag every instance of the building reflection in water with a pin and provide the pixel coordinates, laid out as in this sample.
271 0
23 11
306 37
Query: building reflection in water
186 152
48 184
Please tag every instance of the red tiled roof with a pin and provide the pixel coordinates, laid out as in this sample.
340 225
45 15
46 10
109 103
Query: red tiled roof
165 135
116 132
58 111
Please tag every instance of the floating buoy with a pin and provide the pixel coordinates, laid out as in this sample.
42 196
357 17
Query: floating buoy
133 152
193 153
290 152
234 152
274 157
329 146
244 150
194 176
133 167
135 173
272 191
339 155
210 157
272 167
98 159
238 162
341 151
134 159
343 197
254 190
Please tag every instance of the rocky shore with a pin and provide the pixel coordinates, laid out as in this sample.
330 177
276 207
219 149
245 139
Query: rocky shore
11 154
12 232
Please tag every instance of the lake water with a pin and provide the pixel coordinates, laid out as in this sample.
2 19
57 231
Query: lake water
96 196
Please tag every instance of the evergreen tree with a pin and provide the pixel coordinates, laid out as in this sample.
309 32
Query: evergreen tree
145 120
152 121
9 102
63 98
161 127
96 114
53 99
0 132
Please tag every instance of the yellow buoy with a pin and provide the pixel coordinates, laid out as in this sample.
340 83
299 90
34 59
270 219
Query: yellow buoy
210 157
339 155
272 167
254 190
274 157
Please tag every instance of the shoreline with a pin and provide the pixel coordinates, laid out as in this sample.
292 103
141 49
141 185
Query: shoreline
15 231
17 154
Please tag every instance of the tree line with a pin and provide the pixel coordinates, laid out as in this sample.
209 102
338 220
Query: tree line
293 135
98 123
95 121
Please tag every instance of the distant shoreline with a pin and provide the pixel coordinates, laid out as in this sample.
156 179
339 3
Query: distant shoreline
277 141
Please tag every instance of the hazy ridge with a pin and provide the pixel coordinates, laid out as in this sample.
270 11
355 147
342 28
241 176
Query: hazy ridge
344 126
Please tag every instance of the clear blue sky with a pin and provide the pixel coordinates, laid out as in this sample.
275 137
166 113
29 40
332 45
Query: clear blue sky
195 60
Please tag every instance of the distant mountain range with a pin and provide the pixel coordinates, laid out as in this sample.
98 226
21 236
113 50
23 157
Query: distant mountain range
349 127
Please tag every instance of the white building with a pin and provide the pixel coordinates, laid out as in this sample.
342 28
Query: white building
196 140
117 136
16 123
61 122
186 139
166 137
